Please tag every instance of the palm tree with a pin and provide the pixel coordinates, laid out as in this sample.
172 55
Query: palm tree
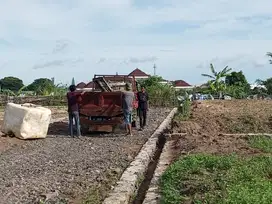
60 89
269 54
21 90
217 83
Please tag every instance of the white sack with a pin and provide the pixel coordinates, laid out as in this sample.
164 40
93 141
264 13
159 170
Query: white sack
26 121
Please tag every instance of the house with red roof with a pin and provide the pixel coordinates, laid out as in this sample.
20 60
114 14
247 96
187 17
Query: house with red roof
80 85
180 84
139 74
164 81
86 87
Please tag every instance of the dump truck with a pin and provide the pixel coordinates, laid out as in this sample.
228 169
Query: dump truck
101 108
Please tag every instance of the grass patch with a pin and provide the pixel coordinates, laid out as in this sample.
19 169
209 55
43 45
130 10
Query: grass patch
261 142
217 180
184 111
100 190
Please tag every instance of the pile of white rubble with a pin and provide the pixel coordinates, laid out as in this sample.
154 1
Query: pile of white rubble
26 121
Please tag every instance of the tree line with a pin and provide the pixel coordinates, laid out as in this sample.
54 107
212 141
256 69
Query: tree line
235 84
43 86
219 83
225 81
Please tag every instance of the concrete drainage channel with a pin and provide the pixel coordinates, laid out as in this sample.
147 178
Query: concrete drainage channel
134 185
152 195
140 197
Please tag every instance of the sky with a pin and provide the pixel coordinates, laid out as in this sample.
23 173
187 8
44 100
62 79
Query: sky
80 38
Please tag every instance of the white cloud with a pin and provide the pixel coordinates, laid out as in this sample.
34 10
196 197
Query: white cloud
42 38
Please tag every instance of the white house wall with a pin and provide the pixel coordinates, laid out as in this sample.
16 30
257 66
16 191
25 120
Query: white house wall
142 77
184 87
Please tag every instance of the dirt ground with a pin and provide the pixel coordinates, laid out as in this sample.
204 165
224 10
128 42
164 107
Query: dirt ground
7 142
211 119
64 168
205 134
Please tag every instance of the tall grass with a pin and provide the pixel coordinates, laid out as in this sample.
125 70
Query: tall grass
159 94
162 95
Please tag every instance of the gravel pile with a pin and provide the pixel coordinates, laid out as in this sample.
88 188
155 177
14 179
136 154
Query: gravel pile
63 168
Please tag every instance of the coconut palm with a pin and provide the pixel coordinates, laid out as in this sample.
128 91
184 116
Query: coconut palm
217 82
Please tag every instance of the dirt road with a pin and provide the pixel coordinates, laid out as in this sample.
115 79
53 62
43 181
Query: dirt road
66 168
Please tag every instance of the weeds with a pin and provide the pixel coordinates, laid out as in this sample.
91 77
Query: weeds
184 111
38 100
218 179
261 142
100 190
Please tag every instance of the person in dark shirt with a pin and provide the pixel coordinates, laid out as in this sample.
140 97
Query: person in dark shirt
74 99
142 106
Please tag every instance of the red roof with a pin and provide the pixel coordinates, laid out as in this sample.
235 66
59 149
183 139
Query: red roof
90 85
138 73
181 83
81 85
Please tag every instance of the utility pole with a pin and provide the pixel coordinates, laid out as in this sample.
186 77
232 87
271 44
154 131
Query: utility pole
154 67
53 80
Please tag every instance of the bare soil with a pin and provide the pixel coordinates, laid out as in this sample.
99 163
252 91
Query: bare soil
63 168
7 142
206 131
209 119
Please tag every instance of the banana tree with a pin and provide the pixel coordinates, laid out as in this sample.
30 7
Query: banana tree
216 82
56 90
19 92
60 89
13 93
8 92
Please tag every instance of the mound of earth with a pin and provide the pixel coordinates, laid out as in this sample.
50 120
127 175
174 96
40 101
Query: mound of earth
211 119
238 116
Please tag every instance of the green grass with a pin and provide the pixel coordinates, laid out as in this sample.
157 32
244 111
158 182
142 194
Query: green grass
218 180
99 191
261 142
184 111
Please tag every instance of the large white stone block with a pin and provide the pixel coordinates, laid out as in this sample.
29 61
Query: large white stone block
26 121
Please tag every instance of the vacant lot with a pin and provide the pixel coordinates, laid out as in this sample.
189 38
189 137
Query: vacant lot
212 167
67 170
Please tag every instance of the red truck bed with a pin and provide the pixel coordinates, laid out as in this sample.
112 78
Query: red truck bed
99 109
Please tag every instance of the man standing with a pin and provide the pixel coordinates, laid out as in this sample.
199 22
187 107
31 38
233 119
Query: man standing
142 107
74 99
127 105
